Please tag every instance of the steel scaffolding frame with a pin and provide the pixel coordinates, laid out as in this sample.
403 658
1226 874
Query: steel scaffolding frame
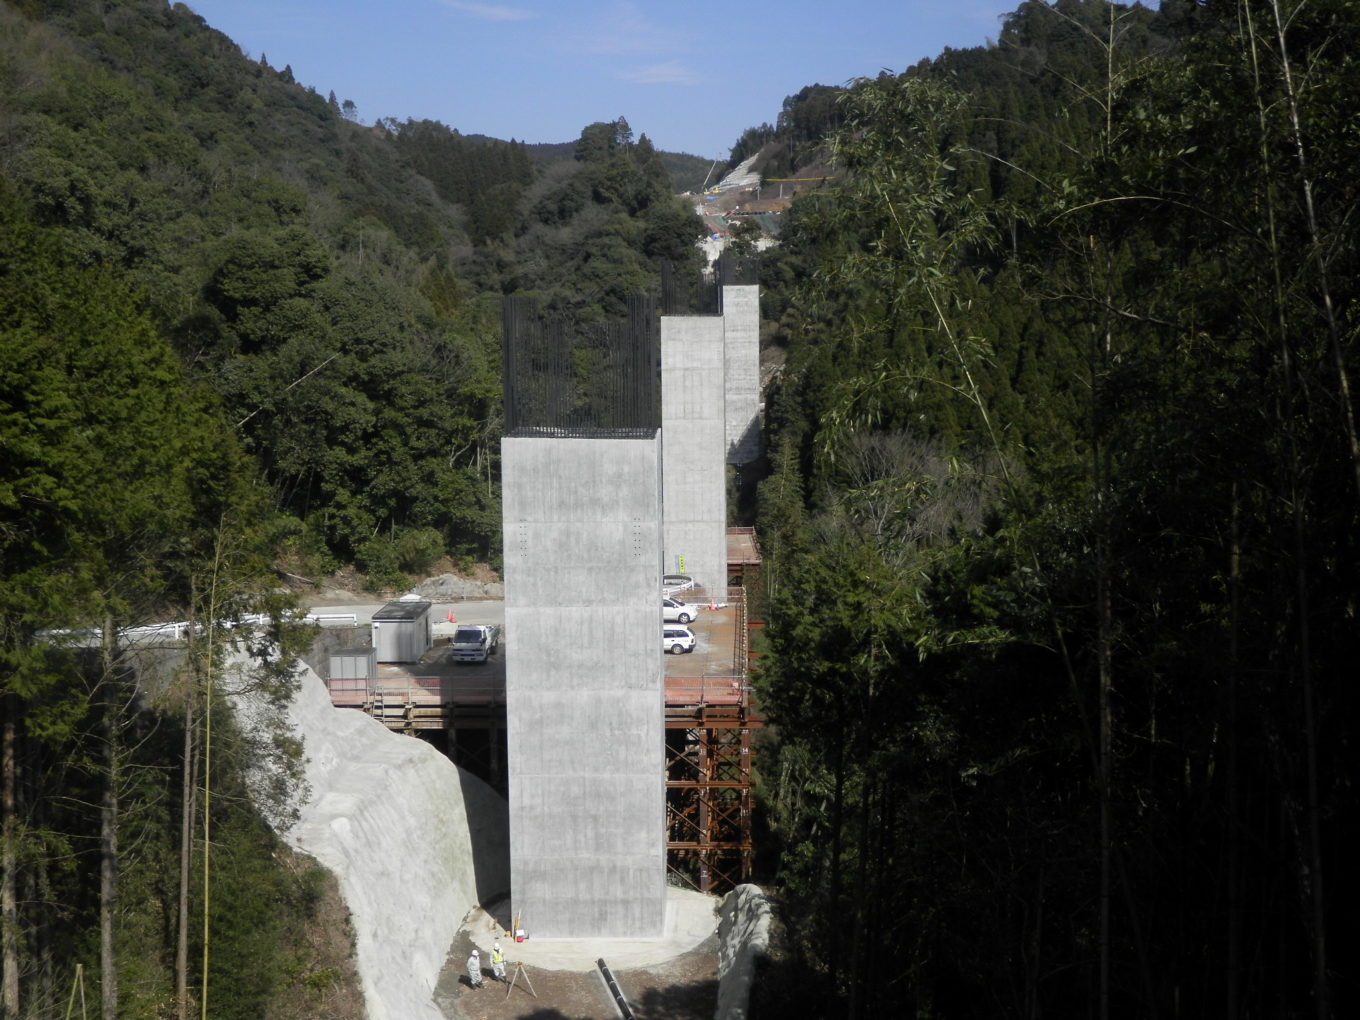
709 786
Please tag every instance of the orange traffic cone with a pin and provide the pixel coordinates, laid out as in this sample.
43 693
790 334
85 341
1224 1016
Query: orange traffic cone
453 617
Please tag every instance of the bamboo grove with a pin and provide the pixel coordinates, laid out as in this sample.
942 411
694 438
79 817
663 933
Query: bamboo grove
1061 522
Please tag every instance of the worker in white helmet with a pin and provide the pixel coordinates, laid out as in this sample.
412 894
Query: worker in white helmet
474 966
497 962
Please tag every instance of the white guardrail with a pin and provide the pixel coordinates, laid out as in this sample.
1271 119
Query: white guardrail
180 629
323 619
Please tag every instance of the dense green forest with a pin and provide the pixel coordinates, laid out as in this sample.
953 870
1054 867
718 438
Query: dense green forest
1062 451
336 285
124 500
240 334
1064 457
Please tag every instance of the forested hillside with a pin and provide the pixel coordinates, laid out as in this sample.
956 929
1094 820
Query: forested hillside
336 285
239 334
1064 460
123 501
798 137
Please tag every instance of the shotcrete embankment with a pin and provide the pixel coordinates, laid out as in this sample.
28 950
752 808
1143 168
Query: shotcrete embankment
414 841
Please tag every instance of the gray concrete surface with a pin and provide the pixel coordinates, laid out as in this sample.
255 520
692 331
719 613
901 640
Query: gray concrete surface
690 918
741 328
693 445
584 704
414 842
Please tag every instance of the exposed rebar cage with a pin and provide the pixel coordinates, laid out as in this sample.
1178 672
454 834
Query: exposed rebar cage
689 294
736 270
682 294
599 381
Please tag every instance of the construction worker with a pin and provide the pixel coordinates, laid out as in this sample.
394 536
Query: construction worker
497 962
474 966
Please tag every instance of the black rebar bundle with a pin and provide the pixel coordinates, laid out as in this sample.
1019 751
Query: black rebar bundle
599 381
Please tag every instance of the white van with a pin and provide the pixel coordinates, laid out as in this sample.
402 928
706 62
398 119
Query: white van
677 639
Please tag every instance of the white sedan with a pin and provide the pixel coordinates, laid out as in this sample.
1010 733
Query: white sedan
675 611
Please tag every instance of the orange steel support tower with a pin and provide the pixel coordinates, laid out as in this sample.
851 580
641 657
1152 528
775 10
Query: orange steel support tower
710 722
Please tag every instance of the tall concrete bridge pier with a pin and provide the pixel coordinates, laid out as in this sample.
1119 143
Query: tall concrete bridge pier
581 492
710 419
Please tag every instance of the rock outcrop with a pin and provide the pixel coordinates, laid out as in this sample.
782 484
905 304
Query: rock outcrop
449 587
743 936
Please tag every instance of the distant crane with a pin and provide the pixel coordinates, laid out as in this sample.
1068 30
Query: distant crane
704 186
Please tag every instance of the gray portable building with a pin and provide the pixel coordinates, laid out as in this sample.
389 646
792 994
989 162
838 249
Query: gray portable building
354 663
402 631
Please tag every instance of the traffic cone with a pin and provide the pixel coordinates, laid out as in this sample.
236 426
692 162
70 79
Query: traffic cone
453 617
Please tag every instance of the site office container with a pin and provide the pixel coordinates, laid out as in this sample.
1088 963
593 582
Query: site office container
402 631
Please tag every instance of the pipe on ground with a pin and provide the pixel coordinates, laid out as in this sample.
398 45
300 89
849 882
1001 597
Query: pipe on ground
625 1010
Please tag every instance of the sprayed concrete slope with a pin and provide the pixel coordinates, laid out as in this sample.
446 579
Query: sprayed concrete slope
414 841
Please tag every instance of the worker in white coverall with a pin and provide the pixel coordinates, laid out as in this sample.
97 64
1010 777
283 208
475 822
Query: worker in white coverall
497 962
475 970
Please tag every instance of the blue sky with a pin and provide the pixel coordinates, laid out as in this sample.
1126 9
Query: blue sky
690 74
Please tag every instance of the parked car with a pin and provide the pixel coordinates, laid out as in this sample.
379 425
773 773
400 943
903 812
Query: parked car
677 639
675 611
673 583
